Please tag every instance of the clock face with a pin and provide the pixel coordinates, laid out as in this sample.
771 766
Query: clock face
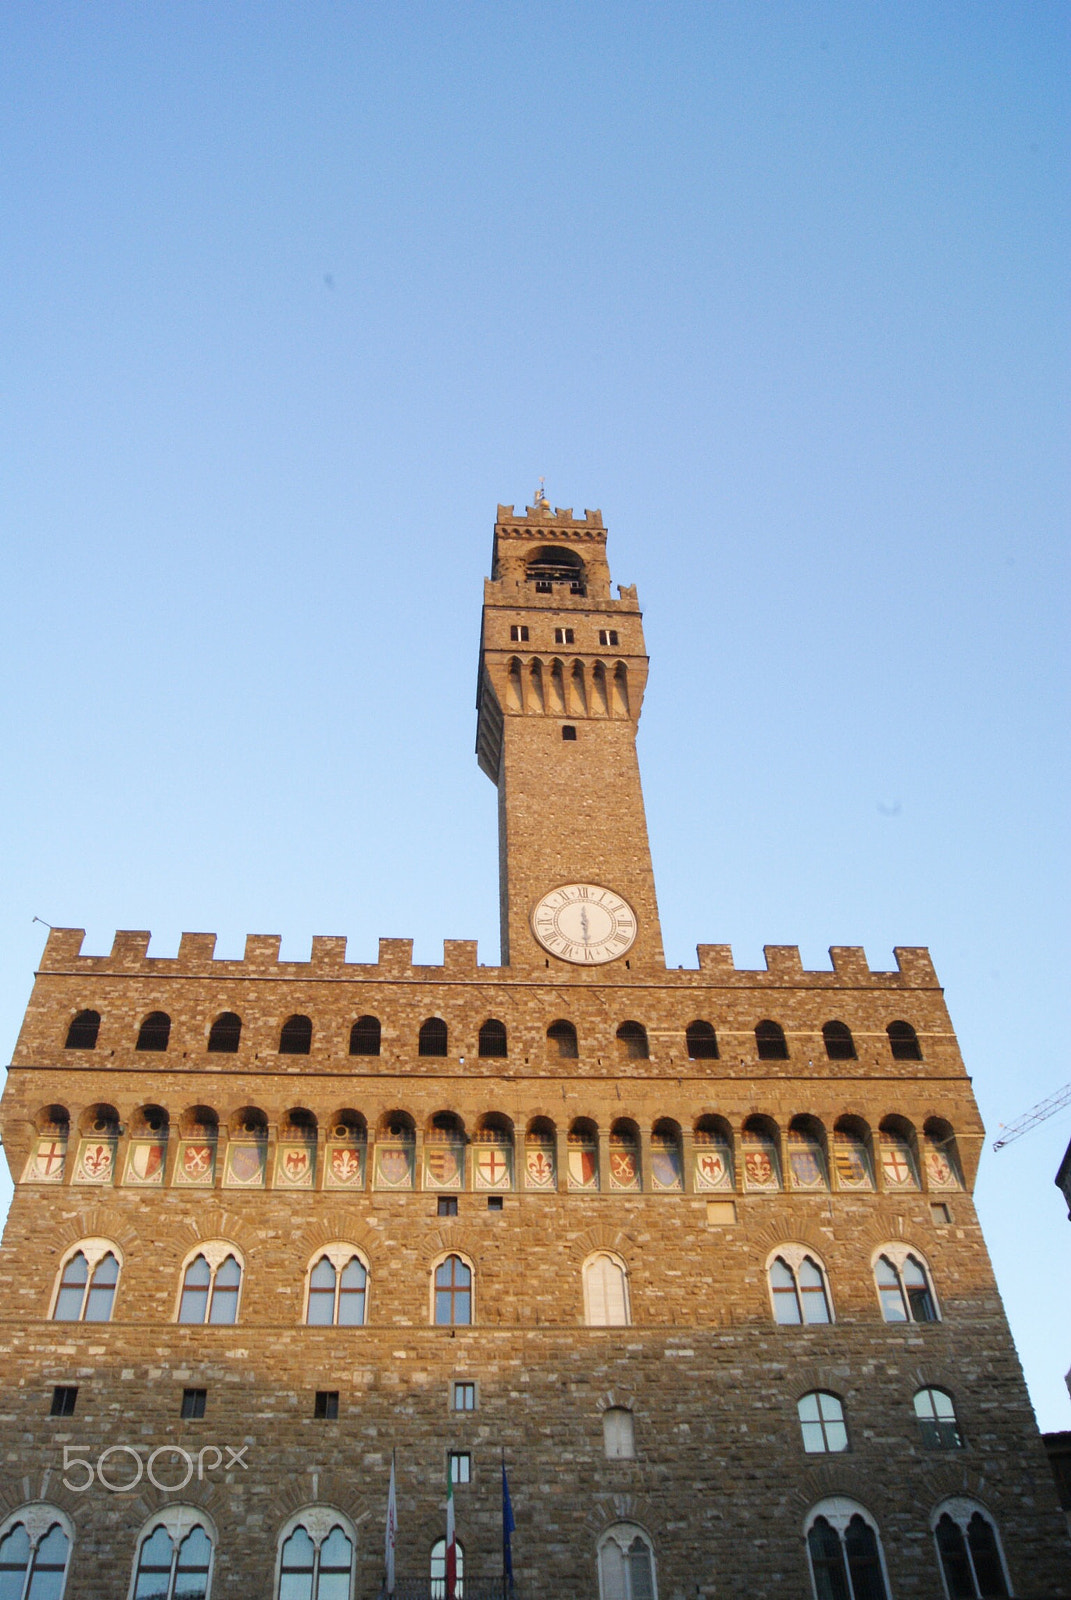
584 923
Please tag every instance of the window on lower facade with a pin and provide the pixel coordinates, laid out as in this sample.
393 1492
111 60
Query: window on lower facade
845 1553
193 1403
174 1563
464 1397
563 636
460 1466
937 1420
30 1568
518 633
439 1563
608 636
210 1293
626 1564
822 1423
316 1564
325 1406
64 1400
968 1549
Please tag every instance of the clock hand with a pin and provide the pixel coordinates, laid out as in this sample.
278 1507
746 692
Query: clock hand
584 923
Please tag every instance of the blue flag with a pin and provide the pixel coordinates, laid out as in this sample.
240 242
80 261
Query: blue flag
507 1528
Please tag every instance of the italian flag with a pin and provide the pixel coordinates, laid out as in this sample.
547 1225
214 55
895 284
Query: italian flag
451 1536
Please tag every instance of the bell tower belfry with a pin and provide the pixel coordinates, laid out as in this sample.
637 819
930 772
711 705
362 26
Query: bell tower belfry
562 674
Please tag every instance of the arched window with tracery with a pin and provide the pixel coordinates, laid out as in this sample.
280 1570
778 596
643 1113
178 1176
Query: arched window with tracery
338 1289
626 1564
87 1284
317 1550
35 1548
452 1304
904 1288
174 1556
211 1286
844 1552
968 1550
798 1290
606 1300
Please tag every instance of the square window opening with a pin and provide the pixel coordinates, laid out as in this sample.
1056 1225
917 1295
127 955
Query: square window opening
941 1213
64 1398
464 1397
325 1408
193 1403
721 1213
494 1202
568 731
447 1205
460 1466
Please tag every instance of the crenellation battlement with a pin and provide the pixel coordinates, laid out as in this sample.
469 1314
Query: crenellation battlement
542 520
196 958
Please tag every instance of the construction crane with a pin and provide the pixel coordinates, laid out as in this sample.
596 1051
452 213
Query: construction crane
1043 1109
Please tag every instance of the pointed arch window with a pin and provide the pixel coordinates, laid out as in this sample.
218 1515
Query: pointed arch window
904 1287
338 1289
969 1552
845 1553
316 1560
225 1034
155 1032
365 1037
453 1293
626 1564
83 1030
606 1302
34 1551
174 1560
87 1284
798 1288
211 1286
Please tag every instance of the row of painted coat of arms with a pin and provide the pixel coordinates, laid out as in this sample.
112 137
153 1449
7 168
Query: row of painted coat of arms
245 1163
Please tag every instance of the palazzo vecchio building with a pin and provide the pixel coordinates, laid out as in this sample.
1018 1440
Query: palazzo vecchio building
691 1253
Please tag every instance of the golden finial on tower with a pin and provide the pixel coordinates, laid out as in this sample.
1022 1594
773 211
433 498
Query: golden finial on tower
541 502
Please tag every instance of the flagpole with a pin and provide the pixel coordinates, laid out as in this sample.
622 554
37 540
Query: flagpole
391 1534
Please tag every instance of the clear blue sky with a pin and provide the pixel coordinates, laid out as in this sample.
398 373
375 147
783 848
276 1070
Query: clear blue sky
292 295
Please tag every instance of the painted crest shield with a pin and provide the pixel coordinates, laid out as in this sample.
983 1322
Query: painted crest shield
583 1168
344 1168
539 1169
711 1170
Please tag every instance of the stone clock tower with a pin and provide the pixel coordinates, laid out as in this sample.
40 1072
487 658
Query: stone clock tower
562 674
